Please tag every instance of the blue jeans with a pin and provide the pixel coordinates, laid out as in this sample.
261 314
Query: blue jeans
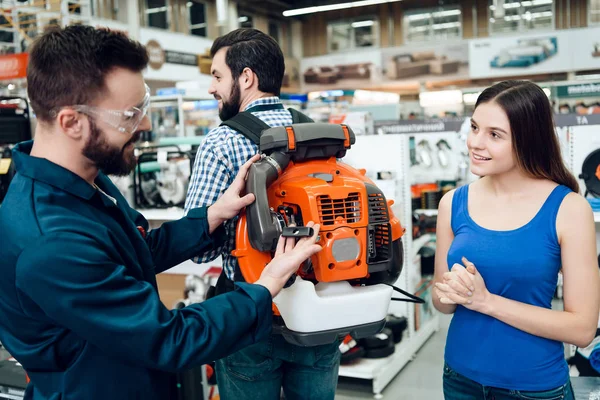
459 387
261 370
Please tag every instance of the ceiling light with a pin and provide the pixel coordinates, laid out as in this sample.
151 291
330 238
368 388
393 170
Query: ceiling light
544 14
156 10
447 13
541 2
362 24
333 7
418 17
446 25
512 5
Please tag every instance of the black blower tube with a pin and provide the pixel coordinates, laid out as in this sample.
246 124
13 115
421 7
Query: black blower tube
262 231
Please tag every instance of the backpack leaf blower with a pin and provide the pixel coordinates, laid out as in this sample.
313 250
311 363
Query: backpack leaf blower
346 287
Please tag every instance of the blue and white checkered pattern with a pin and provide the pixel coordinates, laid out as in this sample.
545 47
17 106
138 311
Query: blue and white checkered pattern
218 161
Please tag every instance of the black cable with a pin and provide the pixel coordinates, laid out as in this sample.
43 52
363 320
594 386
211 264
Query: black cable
411 297
419 301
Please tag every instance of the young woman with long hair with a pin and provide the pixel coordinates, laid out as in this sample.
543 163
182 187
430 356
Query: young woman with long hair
501 242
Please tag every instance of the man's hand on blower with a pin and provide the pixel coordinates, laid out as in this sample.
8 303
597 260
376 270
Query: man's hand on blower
230 203
288 257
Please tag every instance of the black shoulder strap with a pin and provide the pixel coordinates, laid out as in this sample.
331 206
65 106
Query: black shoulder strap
298 117
251 126
248 125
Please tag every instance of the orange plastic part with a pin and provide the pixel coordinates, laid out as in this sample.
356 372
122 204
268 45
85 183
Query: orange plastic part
291 138
347 135
418 188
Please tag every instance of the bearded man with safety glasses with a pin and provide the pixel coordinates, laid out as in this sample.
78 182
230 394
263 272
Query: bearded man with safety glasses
79 305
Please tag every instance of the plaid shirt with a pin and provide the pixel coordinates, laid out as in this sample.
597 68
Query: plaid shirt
218 161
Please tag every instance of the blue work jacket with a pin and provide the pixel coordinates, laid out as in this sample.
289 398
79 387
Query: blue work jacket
79 305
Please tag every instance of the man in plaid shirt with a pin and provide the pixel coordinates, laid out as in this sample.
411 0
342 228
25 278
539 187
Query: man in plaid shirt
247 69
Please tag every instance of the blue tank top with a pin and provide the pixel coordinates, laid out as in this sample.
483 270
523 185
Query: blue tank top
522 265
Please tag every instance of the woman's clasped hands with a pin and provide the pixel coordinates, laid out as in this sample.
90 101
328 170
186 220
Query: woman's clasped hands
463 285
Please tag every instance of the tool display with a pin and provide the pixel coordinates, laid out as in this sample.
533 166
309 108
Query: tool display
590 173
162 176
15 127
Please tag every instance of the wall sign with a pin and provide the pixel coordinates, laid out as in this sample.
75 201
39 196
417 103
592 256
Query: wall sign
158 56
13 66
176 57
582 90
561 120
418 126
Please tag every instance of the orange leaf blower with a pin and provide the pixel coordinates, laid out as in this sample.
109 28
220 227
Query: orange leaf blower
346 287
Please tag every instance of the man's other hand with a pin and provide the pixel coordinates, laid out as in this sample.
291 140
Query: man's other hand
288 258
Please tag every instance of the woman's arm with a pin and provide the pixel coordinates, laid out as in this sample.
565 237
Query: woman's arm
578 322
444 237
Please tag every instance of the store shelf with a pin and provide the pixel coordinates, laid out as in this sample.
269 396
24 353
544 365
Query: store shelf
382 371
189 267
158 214
428 212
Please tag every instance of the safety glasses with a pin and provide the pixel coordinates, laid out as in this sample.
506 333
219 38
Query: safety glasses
124 121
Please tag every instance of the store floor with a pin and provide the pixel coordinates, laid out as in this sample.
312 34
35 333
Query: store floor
420 379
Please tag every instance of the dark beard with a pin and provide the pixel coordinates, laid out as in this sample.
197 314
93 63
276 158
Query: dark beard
232 107
108 159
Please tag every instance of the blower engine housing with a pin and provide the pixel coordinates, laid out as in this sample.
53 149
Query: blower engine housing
301 179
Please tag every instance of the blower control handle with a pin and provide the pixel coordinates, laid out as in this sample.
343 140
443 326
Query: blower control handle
297 231
262 231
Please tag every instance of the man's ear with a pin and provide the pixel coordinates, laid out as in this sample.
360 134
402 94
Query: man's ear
248 78
70 122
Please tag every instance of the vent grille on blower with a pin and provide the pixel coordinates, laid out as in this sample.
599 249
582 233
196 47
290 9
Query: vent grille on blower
377 209
346 211
380 234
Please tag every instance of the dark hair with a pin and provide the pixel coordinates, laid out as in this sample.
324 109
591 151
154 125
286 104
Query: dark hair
534 139
251 48
67 66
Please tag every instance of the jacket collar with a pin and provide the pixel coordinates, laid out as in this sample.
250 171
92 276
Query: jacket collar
43 170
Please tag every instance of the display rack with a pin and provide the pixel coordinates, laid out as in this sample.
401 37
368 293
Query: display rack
581 140
155 218
390 154
577 142
428 212
183 115
382 371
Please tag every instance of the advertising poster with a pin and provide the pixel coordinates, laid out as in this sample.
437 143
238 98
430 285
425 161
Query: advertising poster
371 68
423 63
520 55
354 70
585 47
